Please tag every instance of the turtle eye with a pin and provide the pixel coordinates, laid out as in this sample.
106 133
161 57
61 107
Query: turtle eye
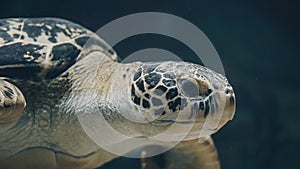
189 88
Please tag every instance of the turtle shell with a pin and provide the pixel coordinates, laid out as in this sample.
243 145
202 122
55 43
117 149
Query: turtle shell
41 48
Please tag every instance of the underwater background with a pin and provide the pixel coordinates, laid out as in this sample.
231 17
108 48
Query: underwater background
258 43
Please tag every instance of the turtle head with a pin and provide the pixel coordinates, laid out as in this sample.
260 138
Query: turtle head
180 92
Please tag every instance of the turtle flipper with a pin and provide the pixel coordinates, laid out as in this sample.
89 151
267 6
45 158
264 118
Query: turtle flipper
12 103
194 155
187 154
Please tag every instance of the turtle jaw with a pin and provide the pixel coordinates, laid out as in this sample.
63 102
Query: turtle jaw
229 108
222 109
218 108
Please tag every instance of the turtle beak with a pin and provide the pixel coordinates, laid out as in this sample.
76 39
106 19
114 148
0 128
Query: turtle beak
229 108
222 105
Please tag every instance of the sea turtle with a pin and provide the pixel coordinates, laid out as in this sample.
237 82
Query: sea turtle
47 76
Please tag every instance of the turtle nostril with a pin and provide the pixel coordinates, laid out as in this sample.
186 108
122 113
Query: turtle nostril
227 91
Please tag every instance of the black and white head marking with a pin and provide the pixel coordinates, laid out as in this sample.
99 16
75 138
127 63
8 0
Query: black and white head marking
168 89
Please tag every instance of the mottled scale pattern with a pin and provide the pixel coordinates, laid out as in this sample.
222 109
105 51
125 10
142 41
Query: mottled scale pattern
155 89
40 48
159 87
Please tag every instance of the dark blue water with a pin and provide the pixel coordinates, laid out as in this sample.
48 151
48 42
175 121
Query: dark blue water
258 42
